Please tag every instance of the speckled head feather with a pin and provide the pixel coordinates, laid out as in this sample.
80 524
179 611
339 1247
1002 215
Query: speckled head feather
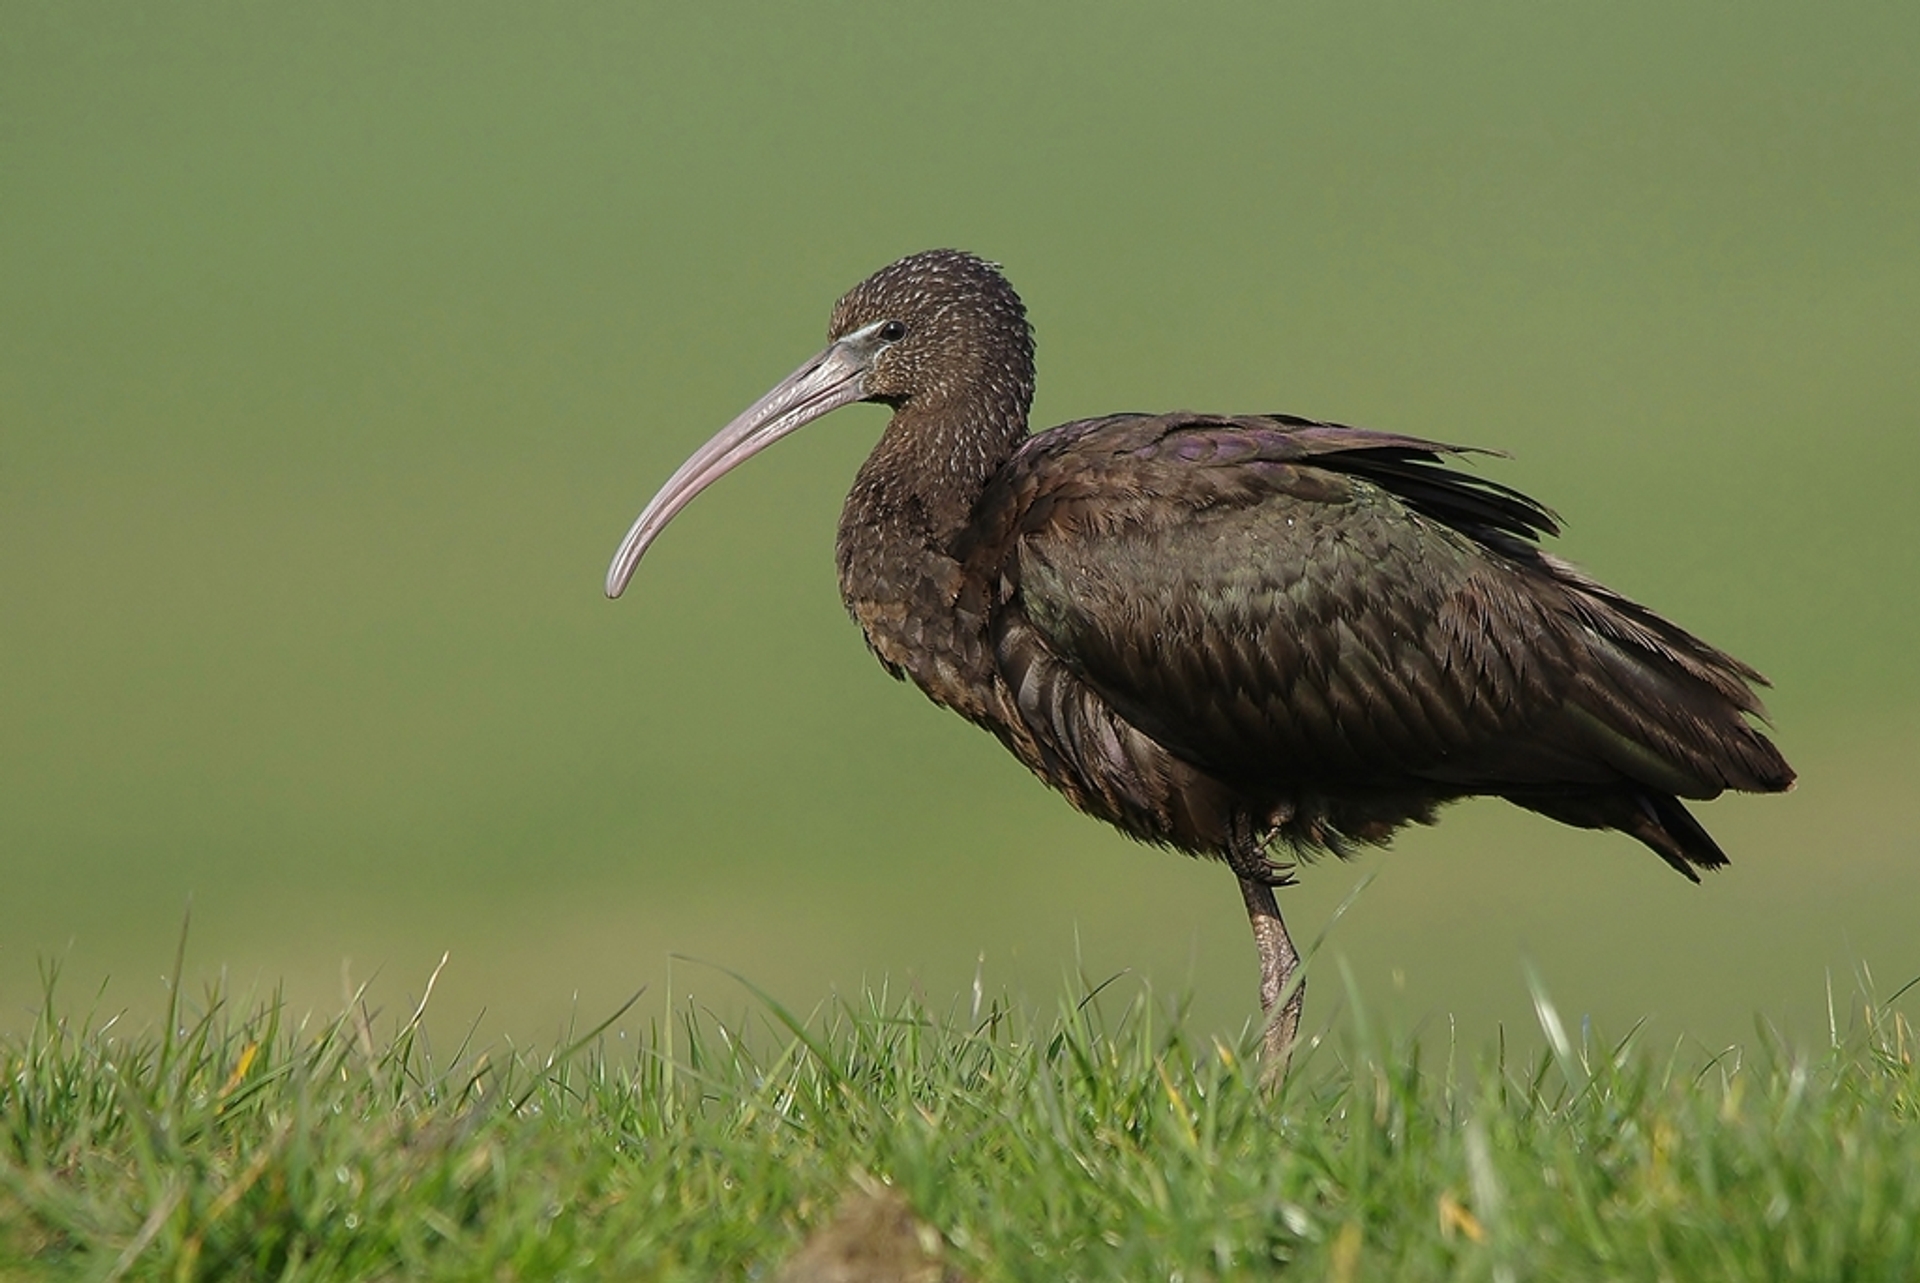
966 330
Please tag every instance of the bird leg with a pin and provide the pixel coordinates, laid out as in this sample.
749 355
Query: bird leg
1282 989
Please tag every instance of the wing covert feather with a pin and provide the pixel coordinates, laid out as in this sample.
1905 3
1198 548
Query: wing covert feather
1283 602
1337 636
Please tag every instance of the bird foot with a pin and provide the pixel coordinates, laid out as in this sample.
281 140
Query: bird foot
1256 867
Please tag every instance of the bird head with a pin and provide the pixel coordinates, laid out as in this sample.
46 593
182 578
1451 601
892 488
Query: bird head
949 322
918 331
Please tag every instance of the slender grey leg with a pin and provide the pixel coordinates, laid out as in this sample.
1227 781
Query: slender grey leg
1282 989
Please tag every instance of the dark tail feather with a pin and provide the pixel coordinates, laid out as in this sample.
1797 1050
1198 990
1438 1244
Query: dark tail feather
1658 820
1675 836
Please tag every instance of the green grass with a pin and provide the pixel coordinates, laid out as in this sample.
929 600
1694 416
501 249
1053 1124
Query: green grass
1105 1141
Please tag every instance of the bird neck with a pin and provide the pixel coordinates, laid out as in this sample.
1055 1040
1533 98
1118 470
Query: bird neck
928 469
914 495
961 414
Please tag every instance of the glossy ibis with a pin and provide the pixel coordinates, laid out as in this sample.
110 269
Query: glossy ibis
1246 637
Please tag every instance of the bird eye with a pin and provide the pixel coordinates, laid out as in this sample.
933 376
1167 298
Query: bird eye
893 331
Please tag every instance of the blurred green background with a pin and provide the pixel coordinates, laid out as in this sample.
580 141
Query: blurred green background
340 343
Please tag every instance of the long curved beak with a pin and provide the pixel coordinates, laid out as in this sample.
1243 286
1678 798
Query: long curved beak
830 380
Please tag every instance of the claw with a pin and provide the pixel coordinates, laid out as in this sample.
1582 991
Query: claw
1275 873
1253 864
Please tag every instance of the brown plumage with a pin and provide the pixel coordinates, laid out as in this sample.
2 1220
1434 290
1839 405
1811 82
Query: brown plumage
1225 633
